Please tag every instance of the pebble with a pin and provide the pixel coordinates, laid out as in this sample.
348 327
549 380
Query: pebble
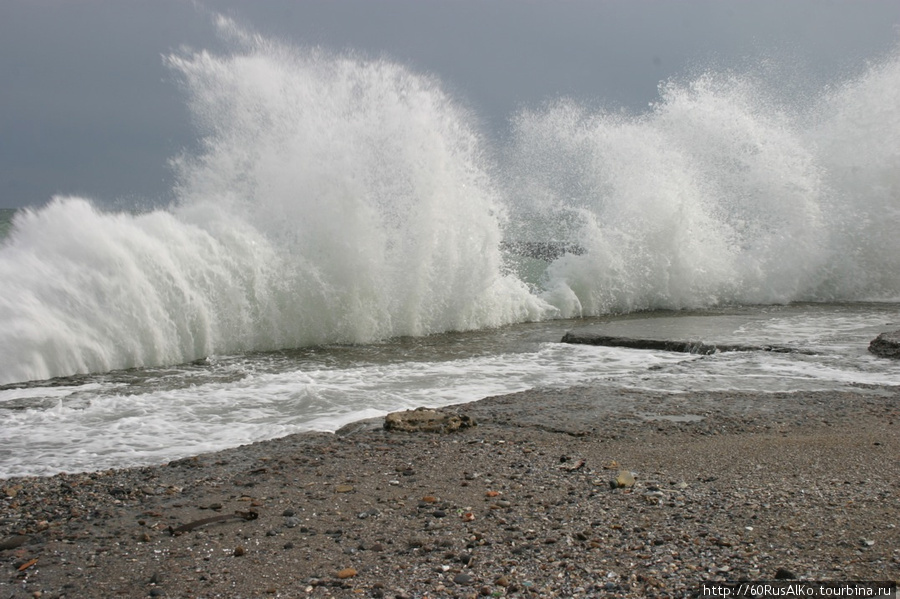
784 574
624 479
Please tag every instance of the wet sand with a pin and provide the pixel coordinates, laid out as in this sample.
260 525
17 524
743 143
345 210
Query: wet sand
726 486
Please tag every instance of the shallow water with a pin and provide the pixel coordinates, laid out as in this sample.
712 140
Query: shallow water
151 415
353 208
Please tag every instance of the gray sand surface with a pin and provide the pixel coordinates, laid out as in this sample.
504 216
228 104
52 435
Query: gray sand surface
727 486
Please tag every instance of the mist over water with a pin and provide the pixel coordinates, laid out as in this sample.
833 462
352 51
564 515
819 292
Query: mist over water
343 199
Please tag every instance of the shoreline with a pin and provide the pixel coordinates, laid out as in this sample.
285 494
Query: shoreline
727 486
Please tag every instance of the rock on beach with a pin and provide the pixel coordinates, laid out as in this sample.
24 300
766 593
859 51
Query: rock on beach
427 420
886 345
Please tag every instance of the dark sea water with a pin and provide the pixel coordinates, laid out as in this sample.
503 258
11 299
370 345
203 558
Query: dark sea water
6 216
345 244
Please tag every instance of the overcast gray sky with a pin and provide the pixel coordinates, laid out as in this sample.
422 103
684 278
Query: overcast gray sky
87 107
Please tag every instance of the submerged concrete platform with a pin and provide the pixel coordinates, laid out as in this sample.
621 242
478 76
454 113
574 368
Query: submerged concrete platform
597 337
687 334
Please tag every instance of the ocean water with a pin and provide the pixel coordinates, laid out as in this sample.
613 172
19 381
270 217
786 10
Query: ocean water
343 244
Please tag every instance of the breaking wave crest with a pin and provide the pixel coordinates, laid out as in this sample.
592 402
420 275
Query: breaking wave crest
720 193
337 198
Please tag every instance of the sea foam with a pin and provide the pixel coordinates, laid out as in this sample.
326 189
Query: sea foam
336 198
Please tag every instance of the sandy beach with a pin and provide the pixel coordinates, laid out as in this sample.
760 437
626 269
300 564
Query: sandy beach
582 492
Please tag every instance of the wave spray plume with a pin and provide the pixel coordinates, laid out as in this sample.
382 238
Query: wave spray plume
335 199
